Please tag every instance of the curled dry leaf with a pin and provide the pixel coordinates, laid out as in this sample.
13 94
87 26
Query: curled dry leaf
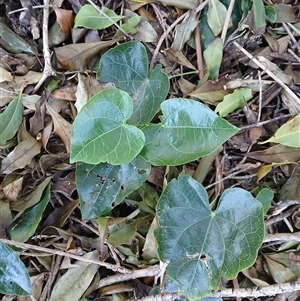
65 19
61 127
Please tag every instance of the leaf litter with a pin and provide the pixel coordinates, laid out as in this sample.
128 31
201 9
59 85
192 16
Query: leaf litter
240 59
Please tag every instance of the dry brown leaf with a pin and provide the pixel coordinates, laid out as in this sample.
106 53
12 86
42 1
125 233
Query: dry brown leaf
61 127
46 134
5 217
75 57
276 154
65 18
22 155
5 75
30 199
177 56
65 93
212 92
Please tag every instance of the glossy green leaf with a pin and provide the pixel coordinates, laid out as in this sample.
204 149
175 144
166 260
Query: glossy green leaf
126 66
213 57
25 226
216 15
10 120
188 130
100 133
288 134
265 197
233 101
202 245
103 186
89 17
14 278
271 14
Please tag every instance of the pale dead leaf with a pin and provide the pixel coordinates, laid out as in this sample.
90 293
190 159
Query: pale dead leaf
11 190
82 94
66 93
5 75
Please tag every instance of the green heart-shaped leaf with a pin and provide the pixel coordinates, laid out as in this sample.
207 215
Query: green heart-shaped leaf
188 130
126 66
100 133
201 245
103 186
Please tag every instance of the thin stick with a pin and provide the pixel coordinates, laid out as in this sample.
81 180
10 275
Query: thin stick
271 74
200 65
254 292
230 176
227 20
294 28
283 237
259 98
65 254
166 33
26 8
250 126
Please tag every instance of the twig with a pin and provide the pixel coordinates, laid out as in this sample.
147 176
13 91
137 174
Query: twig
26 8
271 74
280 217
97 8
294 28
227 20
289 33
230 176
259 98
53 272
250 126
107 265
254 292
282 237
166 33
147 272
200 65
48 71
